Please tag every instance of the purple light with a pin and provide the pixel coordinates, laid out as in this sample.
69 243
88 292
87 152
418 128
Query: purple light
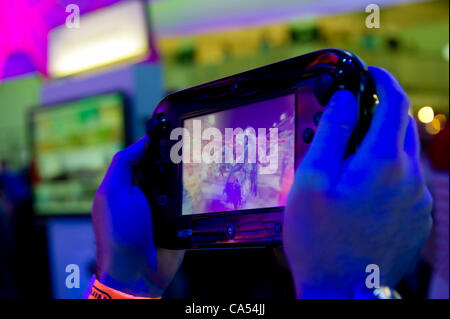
24 25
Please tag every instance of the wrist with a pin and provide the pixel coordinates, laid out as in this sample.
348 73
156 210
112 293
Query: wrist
137 285
98 290
128 273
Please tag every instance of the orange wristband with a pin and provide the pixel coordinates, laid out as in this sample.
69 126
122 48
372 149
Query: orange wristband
100 291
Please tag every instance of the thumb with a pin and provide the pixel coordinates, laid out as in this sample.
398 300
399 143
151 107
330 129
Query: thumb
336 126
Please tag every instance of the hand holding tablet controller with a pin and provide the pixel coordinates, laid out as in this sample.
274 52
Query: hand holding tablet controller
342 212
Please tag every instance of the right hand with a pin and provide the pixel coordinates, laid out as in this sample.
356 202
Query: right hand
342 213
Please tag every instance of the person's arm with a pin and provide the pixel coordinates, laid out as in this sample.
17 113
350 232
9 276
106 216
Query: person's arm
373 207
127 259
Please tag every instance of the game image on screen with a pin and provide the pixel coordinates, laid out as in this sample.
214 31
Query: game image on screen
224 186
73 145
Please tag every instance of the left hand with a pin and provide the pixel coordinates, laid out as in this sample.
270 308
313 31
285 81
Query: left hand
126 254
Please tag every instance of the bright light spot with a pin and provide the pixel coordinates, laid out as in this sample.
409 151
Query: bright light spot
425 114
283 116
377 101
441 118
97 53
445 52
436 124
433 127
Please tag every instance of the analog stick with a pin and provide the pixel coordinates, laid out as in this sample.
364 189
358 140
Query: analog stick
323 88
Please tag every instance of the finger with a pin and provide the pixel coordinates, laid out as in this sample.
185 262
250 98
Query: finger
412 141
386 134
120 173
336 126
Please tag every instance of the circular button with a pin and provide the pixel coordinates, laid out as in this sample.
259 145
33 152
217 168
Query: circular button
317 118
308 135
230 231
323 88
162 200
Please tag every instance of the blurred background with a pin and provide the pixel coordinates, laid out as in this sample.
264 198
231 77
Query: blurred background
74 91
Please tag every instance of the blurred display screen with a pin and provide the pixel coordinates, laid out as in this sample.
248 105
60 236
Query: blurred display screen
223 185
73 144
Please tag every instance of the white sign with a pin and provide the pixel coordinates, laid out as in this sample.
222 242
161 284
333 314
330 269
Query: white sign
108 36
